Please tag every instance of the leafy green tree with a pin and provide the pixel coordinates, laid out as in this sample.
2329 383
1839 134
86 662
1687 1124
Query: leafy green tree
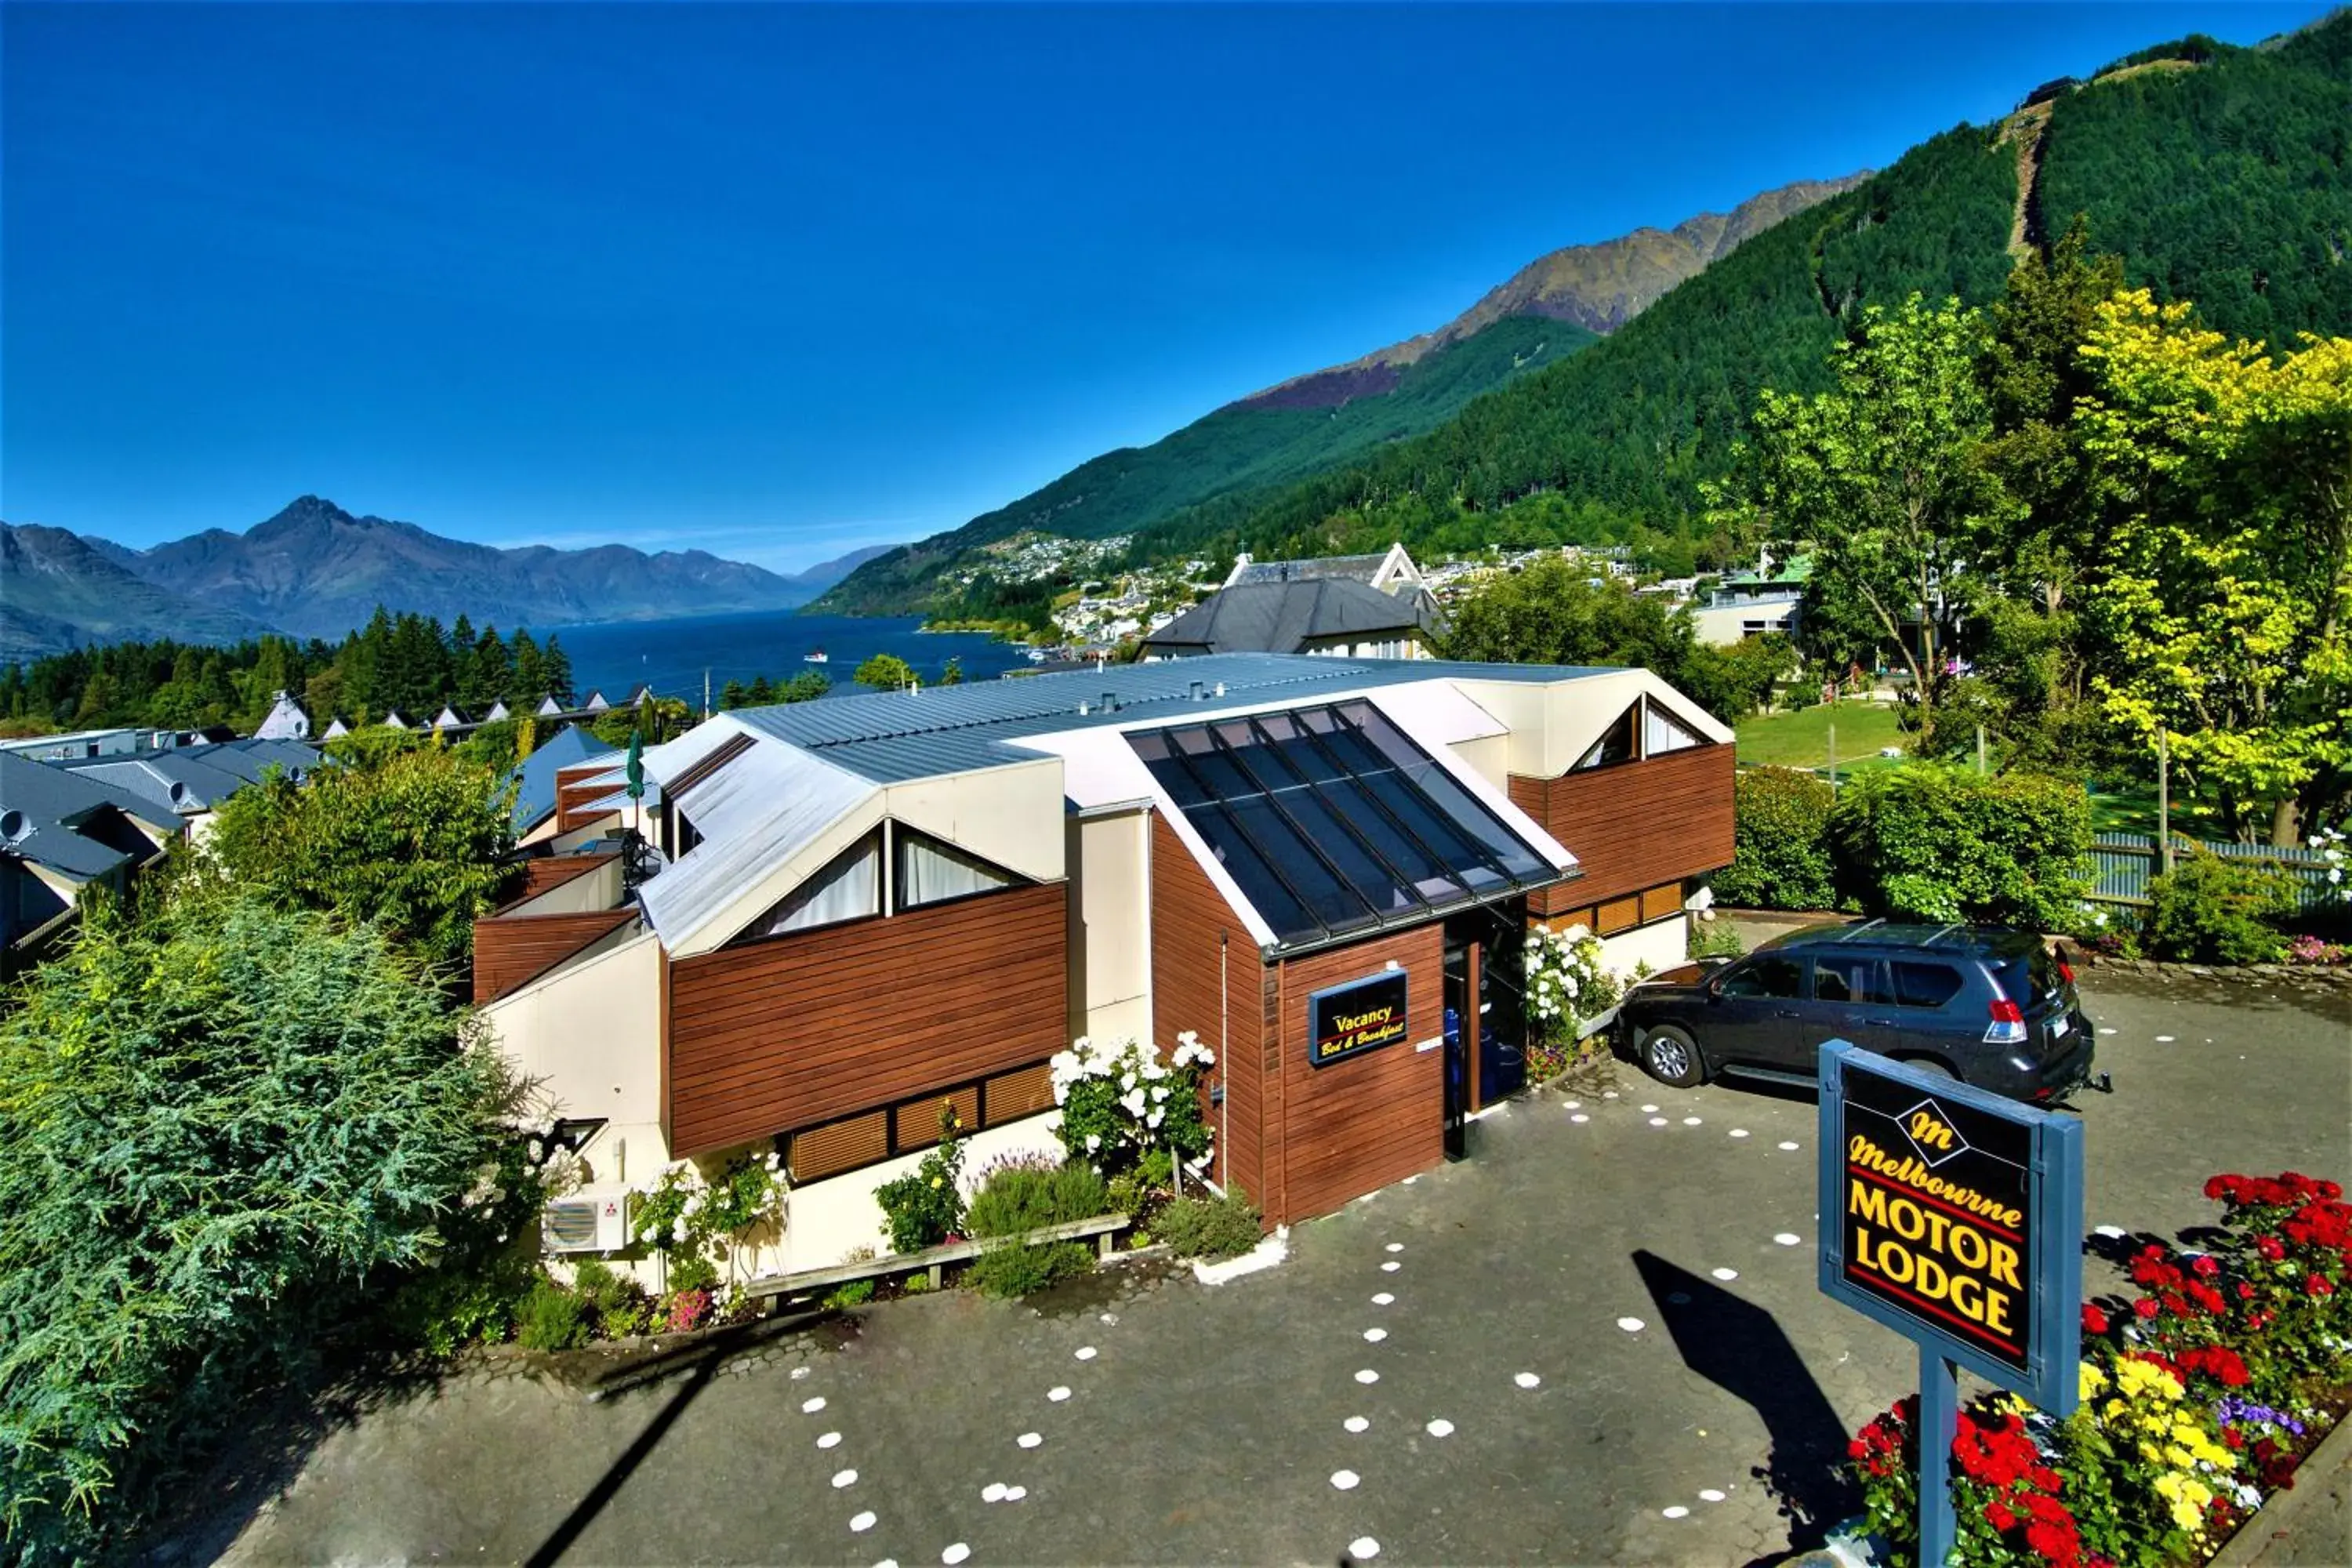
952 674
221 1131
1555 611
407 837
2226 479
1881 478
735 694
806 687
1930 842
886 672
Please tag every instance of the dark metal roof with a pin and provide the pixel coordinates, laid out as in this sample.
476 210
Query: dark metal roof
535 789
1285 616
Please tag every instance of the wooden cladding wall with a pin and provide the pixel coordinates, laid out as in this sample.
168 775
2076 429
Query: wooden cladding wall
1188 919
512 951
821 1024
574 793
1358 1124
542 873
1634 825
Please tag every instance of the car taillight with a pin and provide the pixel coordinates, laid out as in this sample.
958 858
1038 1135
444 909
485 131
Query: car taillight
2007 1026
2065 972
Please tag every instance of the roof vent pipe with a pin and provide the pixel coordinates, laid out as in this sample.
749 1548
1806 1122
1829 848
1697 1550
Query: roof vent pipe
1221 688
15 824
1199 689
1110 702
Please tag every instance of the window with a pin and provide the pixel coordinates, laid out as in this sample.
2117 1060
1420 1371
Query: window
916 1124
1846 979
1766 975
911 1126
1616 745
688 836
1662 732
1923 985
930 872
848 888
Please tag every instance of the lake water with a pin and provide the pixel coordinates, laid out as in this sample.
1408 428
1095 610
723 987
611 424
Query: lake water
671 655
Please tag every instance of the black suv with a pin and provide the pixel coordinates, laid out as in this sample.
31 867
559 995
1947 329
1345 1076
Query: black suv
1988 1005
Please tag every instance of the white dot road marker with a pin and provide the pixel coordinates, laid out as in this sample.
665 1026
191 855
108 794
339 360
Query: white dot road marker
1029 1439
1374 1336
1710 1495
1724 1273
1357 1424
1367 1375
861 1523
1677 1512
1649 1110
2112 1232
830 1439
1690 1121
1383 1299
1345 1480
993 1492
1739 1132
2164 1039
1632 1325
1396 1246
810 1406
1786 1147
1014 1494
1058 1393
1788 1239
1579 1116
799 1372
1391 1266
1527 1380
1363 1549
955 1554
1440 1428
1086 1352
843 1479
1608 1094
1575 1105
1657 1121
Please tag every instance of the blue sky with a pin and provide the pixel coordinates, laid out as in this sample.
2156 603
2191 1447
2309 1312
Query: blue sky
780 281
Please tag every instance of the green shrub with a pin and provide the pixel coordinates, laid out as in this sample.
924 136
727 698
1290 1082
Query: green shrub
552 1318
916 1285
1715 939
1781 830
925 1206
1022 1197
614 1304
1006 1272
2212 910
1211 1227
1928 842
465 1301
857 1293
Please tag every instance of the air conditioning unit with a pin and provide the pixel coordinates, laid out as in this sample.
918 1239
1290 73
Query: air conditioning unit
588 1221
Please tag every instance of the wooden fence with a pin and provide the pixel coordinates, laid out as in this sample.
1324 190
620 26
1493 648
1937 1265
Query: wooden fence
2126 861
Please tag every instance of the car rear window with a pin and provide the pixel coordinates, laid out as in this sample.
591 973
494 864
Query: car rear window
2028 977
1923 985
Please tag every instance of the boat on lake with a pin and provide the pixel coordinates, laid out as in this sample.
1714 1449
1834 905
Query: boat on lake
814 656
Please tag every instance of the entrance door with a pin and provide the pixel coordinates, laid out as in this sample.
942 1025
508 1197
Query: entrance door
1459 1020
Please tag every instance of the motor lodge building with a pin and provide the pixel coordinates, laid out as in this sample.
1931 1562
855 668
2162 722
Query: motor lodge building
859 908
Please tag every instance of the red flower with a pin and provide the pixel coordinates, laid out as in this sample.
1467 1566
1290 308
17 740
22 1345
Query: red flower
2330 1191
1997 1514
2094 1321
2205 1267
2245 1291
2317 1285
2233 1438
1857 1450
2270 1247
2144 1307
2217 1187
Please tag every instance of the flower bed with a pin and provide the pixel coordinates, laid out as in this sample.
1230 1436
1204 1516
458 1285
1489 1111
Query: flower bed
2200 1393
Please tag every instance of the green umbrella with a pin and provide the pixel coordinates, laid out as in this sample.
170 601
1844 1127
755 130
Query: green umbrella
636 764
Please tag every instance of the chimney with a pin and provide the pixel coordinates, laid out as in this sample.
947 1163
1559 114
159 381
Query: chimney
1110 702
1199 690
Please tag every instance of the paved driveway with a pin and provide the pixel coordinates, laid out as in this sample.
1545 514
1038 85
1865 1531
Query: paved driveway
1598 1341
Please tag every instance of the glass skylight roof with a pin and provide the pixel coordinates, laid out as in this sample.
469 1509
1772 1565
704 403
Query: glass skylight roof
1333 823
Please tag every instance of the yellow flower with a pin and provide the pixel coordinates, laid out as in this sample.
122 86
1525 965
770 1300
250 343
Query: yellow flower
935 1181
2092 1381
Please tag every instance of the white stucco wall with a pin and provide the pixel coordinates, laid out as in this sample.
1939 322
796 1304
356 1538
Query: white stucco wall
1110 950
589 1035
825 1221
584 894
1661 945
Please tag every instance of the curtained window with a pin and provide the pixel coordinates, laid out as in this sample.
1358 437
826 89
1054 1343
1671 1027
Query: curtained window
1662 732
1616 745
930 872
848 888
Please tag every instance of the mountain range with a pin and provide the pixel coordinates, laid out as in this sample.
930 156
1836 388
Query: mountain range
1548 309
2220 174
315 570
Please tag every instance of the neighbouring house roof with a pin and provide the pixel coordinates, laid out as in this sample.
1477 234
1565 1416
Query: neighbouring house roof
81 828
1795 572
1287 617
535 775
286 722
1359 568
167 781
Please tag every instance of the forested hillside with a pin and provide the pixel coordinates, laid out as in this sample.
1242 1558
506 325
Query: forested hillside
2226 178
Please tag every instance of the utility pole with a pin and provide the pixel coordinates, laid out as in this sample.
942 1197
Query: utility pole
1981 752
706 691
1832 756
2164 801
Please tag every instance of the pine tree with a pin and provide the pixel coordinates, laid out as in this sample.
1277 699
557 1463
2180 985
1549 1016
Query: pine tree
530 682
556 666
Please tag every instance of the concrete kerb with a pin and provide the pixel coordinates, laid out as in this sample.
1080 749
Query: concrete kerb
2298 1509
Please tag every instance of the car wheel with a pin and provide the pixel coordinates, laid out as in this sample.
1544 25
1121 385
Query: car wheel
1671 1056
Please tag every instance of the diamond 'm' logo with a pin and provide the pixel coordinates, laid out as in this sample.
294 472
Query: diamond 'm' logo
1932 1134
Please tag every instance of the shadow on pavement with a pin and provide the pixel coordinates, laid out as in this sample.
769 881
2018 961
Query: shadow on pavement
1739 1347
616 1476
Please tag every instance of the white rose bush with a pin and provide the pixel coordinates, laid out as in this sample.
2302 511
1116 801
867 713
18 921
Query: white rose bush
1569 985
1119 1100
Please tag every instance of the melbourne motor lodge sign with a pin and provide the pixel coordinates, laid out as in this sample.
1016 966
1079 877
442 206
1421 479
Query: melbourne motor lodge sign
1954 1217
1361 1016
1958 1218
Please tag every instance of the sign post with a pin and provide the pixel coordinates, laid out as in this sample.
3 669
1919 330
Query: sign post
1954 1217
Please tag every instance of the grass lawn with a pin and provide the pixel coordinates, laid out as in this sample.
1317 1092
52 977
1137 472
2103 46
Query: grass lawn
1802 740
